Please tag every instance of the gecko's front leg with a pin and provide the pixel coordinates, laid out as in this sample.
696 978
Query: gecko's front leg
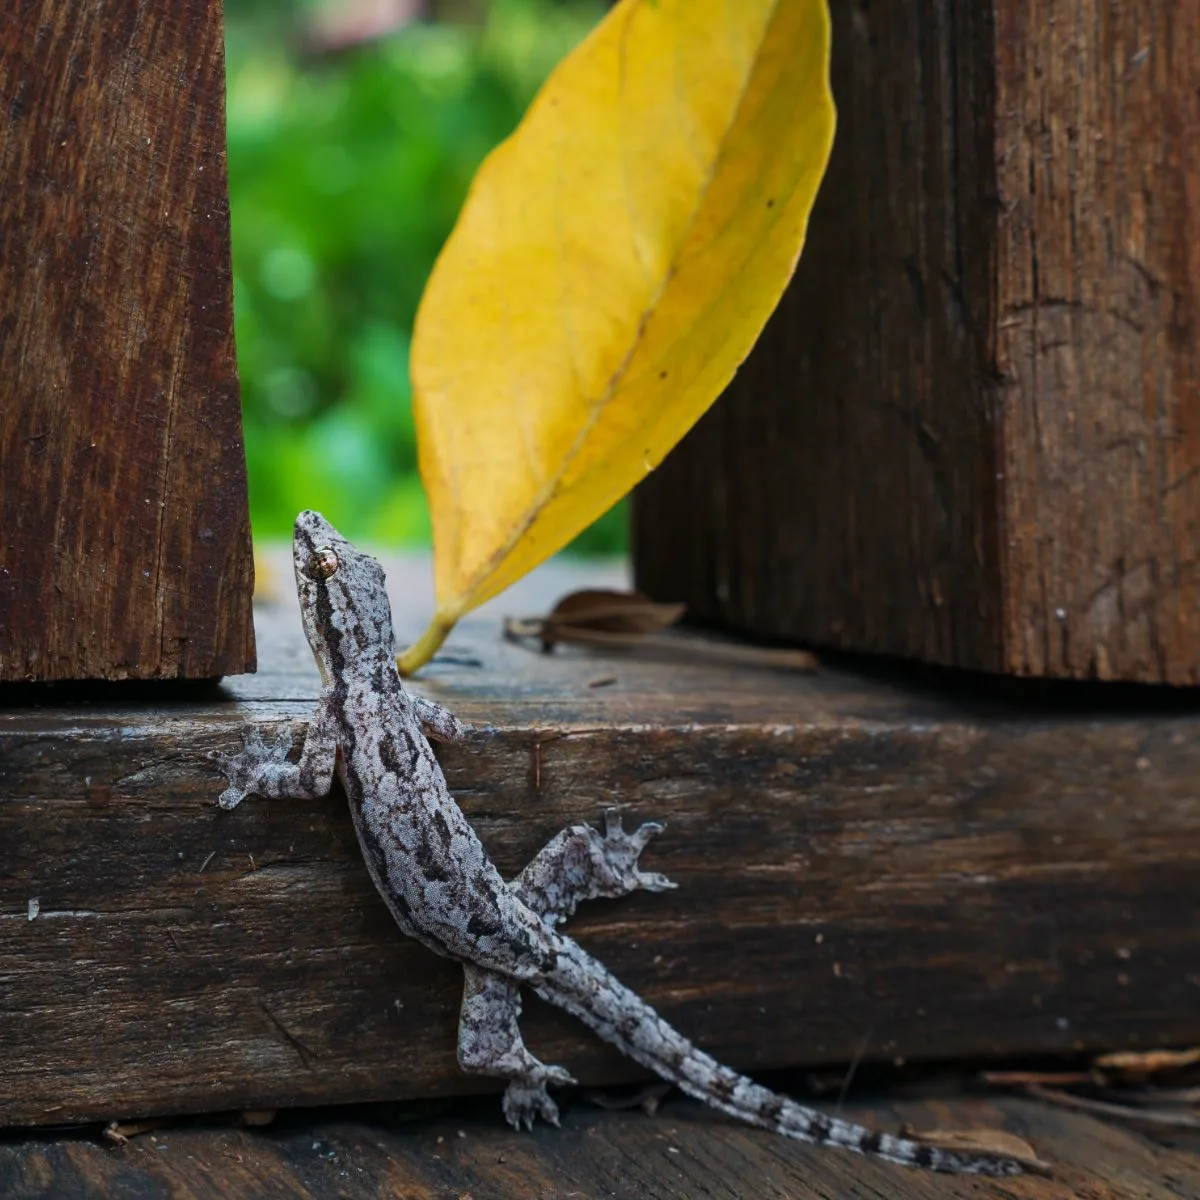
265 771
439 723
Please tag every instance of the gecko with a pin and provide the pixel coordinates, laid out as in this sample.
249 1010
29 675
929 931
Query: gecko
441 887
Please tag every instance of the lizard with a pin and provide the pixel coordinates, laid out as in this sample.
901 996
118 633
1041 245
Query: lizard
441 887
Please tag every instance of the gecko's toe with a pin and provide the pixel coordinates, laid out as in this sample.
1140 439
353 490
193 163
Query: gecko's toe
231 797
612 824
652 881
525 1102
643 833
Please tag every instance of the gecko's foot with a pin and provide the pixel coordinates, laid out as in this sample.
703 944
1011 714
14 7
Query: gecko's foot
524 1102
246 769
620 851
527 1099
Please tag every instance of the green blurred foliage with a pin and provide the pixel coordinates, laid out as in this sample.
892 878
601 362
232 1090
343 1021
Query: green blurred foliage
346 173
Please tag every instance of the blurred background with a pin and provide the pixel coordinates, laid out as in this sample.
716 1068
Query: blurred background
355 127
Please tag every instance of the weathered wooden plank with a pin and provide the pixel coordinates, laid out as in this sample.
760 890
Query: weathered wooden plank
684 1151
969 434
126 544
861 863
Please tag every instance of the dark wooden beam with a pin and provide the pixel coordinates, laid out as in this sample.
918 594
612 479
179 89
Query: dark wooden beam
864 864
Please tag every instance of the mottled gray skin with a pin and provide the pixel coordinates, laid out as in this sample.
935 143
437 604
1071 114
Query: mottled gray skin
442 888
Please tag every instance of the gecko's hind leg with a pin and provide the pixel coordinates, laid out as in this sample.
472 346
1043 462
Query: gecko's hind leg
583 864
578 864
489 1043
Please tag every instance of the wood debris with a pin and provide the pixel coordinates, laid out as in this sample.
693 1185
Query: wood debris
1152 1088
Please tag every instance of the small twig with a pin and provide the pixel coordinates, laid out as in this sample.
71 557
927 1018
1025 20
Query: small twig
1157 1097
1023 1079
672 647
852 1070
1148 1062
1146 1116
119 1132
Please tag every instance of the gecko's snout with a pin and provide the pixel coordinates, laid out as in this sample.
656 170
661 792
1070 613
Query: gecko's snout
314 527
312 532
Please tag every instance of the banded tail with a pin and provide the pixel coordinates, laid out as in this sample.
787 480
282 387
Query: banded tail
582 986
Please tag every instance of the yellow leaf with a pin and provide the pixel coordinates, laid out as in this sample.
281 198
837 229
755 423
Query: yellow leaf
614 262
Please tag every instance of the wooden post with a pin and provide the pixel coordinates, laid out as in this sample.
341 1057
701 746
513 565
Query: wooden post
124 533
971 433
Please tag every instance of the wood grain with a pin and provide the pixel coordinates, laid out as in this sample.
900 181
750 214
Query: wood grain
683 1152
969 433
1097 338
865 865
126 544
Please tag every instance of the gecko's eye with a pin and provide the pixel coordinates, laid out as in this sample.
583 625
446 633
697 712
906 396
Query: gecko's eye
323 563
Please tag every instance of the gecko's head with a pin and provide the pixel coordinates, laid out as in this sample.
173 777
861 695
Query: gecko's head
347 617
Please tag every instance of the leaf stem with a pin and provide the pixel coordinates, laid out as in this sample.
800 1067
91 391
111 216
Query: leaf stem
428 644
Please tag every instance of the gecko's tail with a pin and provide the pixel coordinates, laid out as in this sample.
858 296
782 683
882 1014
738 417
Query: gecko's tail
582 986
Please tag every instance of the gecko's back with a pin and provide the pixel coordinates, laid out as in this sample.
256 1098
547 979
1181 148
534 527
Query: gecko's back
423 855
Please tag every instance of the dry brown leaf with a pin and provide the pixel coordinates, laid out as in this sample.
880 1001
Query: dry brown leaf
606 610
602 618
989 1143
